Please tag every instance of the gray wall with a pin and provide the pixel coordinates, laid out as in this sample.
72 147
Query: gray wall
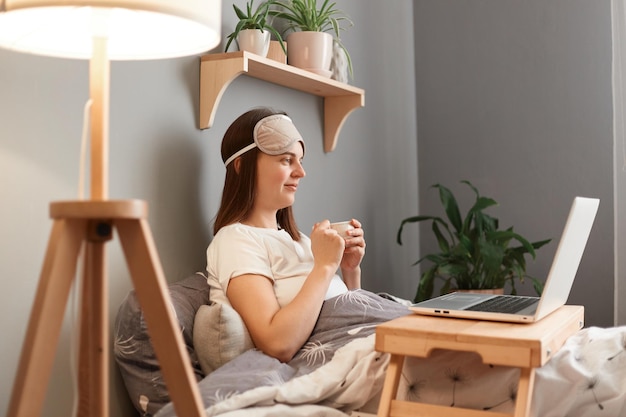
159 155
515 96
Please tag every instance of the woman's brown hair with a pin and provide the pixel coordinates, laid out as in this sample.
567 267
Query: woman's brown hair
240 186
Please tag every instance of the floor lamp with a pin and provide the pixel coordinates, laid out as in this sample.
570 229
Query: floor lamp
102 30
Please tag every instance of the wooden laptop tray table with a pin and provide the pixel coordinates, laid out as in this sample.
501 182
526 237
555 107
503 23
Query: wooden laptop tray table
526 346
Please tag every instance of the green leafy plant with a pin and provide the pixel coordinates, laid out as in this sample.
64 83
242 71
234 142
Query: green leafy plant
305 16
473 252
255 19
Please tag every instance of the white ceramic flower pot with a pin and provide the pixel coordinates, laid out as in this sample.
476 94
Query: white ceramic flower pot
311 51
255 41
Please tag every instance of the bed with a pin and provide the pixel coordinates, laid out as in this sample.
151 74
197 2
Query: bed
338 371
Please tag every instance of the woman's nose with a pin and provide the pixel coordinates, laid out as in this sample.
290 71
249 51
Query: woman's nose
299 171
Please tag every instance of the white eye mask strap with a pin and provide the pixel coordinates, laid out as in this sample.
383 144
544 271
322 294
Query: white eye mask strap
239 153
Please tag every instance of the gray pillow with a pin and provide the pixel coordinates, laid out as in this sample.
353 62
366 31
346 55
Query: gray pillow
219 335
133 350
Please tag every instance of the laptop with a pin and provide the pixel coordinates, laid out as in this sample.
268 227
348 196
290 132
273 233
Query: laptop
531 309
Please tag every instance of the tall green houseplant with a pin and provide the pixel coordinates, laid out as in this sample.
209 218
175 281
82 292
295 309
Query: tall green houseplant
473 252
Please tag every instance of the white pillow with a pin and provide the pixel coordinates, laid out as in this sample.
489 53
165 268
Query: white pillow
219 335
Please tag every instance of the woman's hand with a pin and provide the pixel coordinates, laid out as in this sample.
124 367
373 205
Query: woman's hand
353 255
327 246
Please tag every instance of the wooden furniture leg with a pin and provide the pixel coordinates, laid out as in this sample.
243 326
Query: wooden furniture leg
524 392
90 223
36 360
153 296
390 387
93 391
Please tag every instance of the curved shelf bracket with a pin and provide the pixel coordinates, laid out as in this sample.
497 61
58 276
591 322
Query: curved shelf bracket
336 110
215 77
217 71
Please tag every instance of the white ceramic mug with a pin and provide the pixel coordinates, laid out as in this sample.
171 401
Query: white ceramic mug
342 228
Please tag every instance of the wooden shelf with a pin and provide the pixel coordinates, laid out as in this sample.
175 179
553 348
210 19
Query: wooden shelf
217 71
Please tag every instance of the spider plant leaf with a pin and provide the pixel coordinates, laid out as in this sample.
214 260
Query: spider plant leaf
230 39
278 37
233 36
240 14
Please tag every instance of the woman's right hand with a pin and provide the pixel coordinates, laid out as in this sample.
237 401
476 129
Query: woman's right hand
327 245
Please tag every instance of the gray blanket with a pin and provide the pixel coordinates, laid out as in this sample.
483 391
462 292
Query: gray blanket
337 369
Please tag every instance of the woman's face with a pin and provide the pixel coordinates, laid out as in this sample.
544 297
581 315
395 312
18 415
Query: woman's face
278 177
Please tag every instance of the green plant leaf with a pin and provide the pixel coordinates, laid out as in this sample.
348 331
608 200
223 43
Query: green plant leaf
446 287
413 219
537 285
541 243
444 246
240 14
426 286
492 255
450 206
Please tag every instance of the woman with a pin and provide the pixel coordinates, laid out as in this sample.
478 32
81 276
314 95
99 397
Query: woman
275 277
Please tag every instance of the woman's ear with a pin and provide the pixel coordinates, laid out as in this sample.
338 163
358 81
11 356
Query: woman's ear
237 164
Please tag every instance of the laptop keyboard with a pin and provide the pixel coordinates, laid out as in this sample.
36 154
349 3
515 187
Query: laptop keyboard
504 304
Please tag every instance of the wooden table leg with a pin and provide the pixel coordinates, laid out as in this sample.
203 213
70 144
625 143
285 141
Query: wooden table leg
524 392
390 388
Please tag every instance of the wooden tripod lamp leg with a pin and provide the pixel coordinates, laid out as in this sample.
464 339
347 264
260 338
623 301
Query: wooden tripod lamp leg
93 387
154 299
37 358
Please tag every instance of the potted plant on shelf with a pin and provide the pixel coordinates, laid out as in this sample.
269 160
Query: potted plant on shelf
474 253
252 32
310 43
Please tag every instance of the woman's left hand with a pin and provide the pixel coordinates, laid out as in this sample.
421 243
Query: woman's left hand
355 247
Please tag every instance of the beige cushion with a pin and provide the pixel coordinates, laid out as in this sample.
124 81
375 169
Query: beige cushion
219 335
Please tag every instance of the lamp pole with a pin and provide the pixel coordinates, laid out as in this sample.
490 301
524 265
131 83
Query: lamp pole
99 88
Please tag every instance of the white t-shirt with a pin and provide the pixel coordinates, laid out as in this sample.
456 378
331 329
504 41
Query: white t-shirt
238 249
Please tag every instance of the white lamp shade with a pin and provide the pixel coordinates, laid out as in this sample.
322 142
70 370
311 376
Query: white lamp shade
135 29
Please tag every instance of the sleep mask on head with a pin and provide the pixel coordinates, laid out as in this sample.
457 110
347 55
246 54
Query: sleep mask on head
273 135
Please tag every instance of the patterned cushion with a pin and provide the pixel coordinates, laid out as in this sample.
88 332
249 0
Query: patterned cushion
133 350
